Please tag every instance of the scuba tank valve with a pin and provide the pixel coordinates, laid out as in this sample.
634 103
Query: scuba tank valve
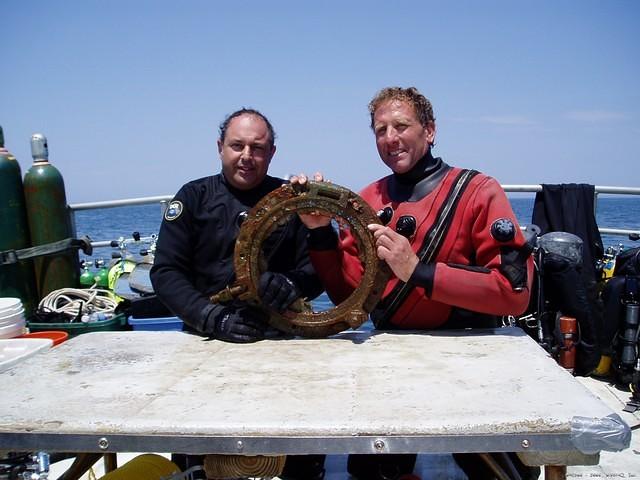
39 148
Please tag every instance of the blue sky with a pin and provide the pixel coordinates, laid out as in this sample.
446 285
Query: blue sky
130 93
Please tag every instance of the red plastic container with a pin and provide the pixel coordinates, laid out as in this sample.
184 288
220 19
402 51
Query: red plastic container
569 332
58 336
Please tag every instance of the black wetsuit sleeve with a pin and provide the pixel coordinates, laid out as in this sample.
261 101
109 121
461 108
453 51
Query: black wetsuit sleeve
171 274
303 273
423 277
323 238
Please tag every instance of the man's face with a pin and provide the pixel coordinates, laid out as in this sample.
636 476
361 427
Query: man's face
400 137
246 151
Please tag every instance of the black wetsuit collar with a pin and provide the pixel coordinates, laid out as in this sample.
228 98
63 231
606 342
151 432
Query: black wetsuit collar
252 196
419 181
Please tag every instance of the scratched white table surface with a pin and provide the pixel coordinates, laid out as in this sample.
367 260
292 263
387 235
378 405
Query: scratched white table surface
490 385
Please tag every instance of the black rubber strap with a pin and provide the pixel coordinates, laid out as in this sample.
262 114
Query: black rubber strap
429 249
9 257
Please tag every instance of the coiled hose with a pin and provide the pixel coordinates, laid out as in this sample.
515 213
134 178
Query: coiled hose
76 303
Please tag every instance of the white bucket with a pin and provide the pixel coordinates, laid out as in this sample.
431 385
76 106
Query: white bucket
10 311
13 330
9 305
10 319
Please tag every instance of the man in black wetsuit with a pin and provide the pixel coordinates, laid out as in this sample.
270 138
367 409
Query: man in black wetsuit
194 256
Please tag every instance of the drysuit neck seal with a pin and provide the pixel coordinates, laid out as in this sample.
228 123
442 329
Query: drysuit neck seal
418 182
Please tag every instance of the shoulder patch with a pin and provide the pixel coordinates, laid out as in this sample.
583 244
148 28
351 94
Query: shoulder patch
503 230
173 211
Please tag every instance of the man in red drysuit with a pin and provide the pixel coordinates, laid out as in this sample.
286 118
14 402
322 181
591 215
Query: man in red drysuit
465 271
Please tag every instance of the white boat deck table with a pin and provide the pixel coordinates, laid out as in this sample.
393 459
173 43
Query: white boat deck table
356 392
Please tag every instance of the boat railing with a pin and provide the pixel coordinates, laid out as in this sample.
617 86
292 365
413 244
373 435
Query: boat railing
163 200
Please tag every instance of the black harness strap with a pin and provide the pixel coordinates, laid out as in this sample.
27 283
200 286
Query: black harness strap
9 257
430 246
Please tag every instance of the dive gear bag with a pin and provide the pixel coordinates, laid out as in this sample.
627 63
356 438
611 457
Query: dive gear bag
560 288
621 299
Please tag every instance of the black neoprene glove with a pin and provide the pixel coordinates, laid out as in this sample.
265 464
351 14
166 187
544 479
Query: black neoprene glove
277 291
237 324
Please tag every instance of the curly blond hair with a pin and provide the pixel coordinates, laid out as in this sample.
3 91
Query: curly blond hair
411 95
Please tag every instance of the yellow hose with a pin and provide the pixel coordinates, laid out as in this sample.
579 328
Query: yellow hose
148 466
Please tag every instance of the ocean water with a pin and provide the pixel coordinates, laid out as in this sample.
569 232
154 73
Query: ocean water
113 223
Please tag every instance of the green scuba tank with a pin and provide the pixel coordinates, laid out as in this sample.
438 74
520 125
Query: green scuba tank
102 276
17 279
49 220
86 277
98 276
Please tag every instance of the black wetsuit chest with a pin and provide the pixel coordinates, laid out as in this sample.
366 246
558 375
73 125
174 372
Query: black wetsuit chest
217 209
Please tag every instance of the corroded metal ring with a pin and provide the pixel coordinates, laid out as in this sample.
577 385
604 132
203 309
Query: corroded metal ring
275 209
